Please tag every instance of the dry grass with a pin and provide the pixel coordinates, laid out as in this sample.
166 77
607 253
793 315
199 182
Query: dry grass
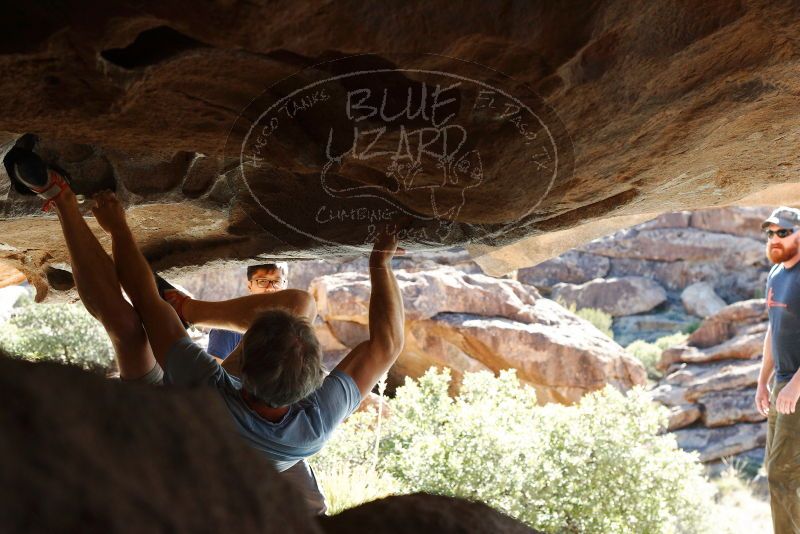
345 488
740 508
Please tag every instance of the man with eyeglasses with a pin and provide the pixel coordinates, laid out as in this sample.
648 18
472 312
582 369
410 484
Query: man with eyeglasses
264 278
781 355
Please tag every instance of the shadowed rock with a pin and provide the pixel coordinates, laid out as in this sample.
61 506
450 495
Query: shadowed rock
412 514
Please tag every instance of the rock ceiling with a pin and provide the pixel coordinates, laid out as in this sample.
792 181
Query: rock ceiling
299 129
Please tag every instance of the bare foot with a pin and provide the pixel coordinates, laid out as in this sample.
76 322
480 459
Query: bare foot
109 212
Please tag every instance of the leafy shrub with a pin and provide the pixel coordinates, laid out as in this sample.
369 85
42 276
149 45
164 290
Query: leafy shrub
63 333
600 466
647 353
666 342
650 353
600 319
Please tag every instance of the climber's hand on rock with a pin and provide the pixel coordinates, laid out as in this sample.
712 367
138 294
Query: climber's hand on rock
108 211
384 249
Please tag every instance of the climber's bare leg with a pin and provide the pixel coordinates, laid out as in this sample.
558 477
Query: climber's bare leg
239 313
99 289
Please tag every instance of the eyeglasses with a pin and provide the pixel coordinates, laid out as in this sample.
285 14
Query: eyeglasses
266 282
783 232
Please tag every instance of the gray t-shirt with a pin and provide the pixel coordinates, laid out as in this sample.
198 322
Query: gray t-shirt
783 302
301 433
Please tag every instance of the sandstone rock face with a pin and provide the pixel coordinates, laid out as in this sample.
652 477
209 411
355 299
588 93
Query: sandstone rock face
702 259
615 296
716 443
470 322
573 267
729 407
742 347
741 221
699 299
723 325
679 244
147 97
710 389
682 415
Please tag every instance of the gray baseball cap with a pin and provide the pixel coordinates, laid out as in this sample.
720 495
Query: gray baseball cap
784 217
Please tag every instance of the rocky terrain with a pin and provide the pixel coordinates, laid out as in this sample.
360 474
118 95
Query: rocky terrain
664 275
709 384
459 318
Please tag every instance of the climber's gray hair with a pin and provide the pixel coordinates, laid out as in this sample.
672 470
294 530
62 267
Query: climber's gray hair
281 359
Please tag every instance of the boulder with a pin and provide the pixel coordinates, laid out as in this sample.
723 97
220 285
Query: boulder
731 375
723 325
418 512
740 221
691 381
700 299
670 395
731 282
118 458
728 407
572 267
345 296
672 219
615 296
715 443
680 244
562 357
470 322
744 347
682 416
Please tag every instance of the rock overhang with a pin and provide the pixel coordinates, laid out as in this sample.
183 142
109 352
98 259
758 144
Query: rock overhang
668 106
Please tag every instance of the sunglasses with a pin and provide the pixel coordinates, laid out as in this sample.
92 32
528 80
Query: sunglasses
266 282
783 232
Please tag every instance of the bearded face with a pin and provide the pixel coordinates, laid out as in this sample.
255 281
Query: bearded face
780 250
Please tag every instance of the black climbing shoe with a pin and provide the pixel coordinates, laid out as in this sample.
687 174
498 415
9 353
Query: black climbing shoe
31 176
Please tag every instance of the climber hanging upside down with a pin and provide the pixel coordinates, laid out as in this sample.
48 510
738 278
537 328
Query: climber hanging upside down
278 397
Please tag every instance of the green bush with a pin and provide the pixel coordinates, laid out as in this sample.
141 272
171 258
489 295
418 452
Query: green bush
600 466
666 342
650 353
600 319
647 353
63 333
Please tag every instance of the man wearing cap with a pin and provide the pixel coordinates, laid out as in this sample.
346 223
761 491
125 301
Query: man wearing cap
782 355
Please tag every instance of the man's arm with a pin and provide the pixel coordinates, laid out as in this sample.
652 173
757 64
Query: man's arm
160 321
239 313
371 359
767 365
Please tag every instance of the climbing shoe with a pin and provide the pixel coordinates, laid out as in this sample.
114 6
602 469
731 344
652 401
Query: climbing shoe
31 176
